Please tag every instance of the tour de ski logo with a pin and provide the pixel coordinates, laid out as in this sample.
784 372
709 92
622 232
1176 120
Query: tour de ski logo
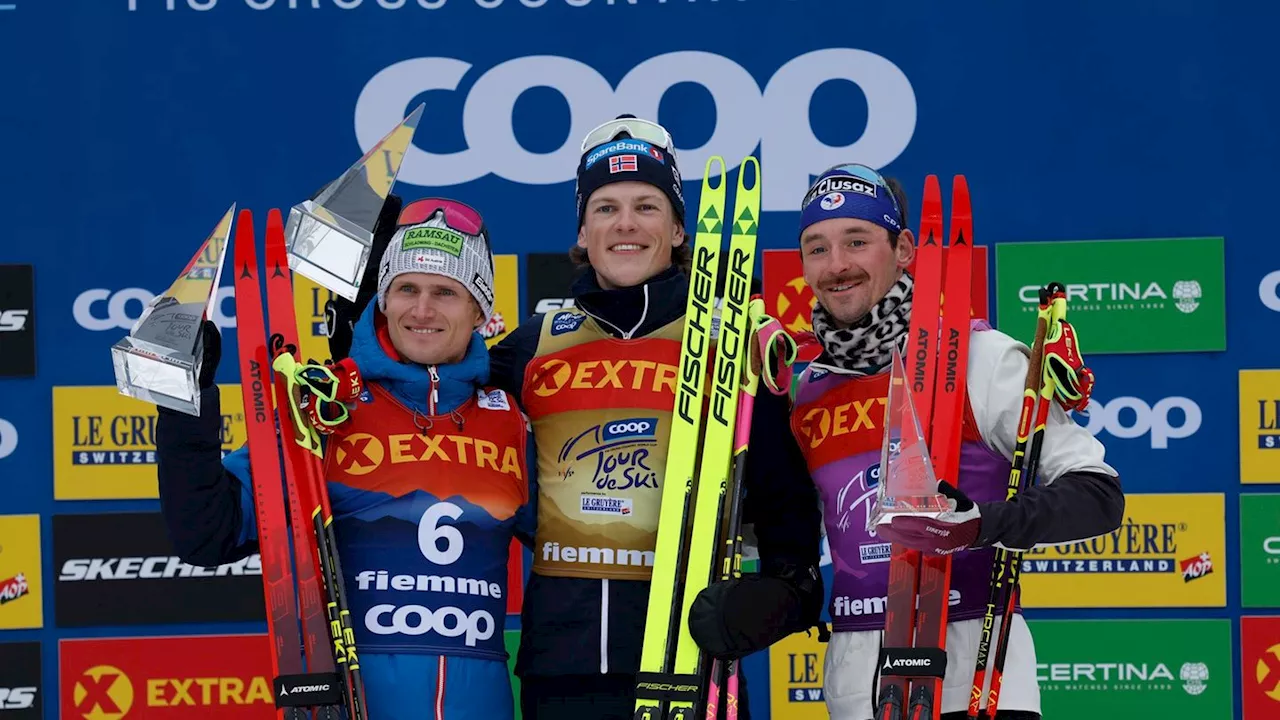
617 454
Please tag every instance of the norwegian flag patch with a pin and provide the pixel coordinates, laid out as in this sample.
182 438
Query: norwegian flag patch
622 163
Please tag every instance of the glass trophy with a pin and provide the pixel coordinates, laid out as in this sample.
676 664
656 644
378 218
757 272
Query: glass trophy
908 484
159 360
329 237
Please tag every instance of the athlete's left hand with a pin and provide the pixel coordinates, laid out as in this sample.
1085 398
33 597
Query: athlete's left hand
948 533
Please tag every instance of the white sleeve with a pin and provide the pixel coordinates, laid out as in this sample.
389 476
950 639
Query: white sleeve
996 377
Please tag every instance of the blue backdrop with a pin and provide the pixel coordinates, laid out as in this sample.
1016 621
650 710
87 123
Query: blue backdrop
129 126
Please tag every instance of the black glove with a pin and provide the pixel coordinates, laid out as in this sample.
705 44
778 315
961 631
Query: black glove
734 618
211 354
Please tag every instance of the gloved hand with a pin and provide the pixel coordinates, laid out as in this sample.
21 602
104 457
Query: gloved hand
731 619
948 533
212 353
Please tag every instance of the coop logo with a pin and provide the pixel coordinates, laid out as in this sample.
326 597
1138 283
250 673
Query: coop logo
630 428
1128 418
1269 290
8 438
362 453
566 322
101 309
775 118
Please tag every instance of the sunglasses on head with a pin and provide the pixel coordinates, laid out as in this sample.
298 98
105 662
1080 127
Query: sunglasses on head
638 129
458 216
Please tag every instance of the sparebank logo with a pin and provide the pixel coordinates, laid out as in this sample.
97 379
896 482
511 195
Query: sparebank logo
102 309
776 118
1269 290
8 438
1127 418
362 453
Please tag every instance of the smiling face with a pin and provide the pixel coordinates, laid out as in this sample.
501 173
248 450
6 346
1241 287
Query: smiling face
430 318
628 231
850 264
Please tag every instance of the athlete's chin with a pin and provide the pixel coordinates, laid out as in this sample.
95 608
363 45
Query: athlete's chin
625 270
846 307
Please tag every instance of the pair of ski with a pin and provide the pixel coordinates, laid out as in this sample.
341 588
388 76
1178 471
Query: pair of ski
704 471
313 666
913 657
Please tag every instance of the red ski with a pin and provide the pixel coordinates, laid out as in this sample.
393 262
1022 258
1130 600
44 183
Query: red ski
304 672
937 359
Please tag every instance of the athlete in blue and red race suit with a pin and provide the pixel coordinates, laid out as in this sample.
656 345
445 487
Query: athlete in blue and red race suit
429 477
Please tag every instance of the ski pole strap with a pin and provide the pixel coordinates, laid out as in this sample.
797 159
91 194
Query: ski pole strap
1063 362
773 347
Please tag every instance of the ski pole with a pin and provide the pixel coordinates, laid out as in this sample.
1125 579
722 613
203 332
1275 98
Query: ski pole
1065 377
1030 394
766 331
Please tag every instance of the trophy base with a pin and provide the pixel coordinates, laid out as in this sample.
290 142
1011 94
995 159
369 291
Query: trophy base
327 248
154 374
927 506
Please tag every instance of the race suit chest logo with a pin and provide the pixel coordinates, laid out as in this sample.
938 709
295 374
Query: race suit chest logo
362 453
617 454
566 322
437 602
860 415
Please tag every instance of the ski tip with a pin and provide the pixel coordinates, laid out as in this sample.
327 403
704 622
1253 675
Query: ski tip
244 251
961 212
710 180
931 212
277 255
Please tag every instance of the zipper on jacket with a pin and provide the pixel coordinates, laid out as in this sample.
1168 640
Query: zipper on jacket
604 625
626 334
433 397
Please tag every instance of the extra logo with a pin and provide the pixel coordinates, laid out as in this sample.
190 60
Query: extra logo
616 453
555 375
175 677
1131 417
821 423
776 118
102 309
362 453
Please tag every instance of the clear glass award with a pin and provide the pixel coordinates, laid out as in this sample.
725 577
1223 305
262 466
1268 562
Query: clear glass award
159 360
908 484
329 237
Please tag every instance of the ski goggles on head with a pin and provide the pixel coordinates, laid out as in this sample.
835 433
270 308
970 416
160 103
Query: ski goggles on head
852 190
650 132
458 216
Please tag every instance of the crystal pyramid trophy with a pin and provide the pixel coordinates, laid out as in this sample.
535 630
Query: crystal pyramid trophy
329 237
908 485
159 360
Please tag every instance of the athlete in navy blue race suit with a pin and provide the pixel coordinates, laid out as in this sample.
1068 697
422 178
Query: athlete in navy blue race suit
429 482
596 381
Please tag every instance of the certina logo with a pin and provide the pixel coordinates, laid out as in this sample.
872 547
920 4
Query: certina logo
775 118
8 438
102 309
1184 294
362 453
156 567
1130 417
555 374
1269 291
845 606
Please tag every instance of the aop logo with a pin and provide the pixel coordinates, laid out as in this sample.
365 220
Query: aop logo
8 438
1269 290
1142 419
775 118
101 309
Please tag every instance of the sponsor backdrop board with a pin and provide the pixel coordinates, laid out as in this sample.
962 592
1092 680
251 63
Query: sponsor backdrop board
1140 192
22 688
